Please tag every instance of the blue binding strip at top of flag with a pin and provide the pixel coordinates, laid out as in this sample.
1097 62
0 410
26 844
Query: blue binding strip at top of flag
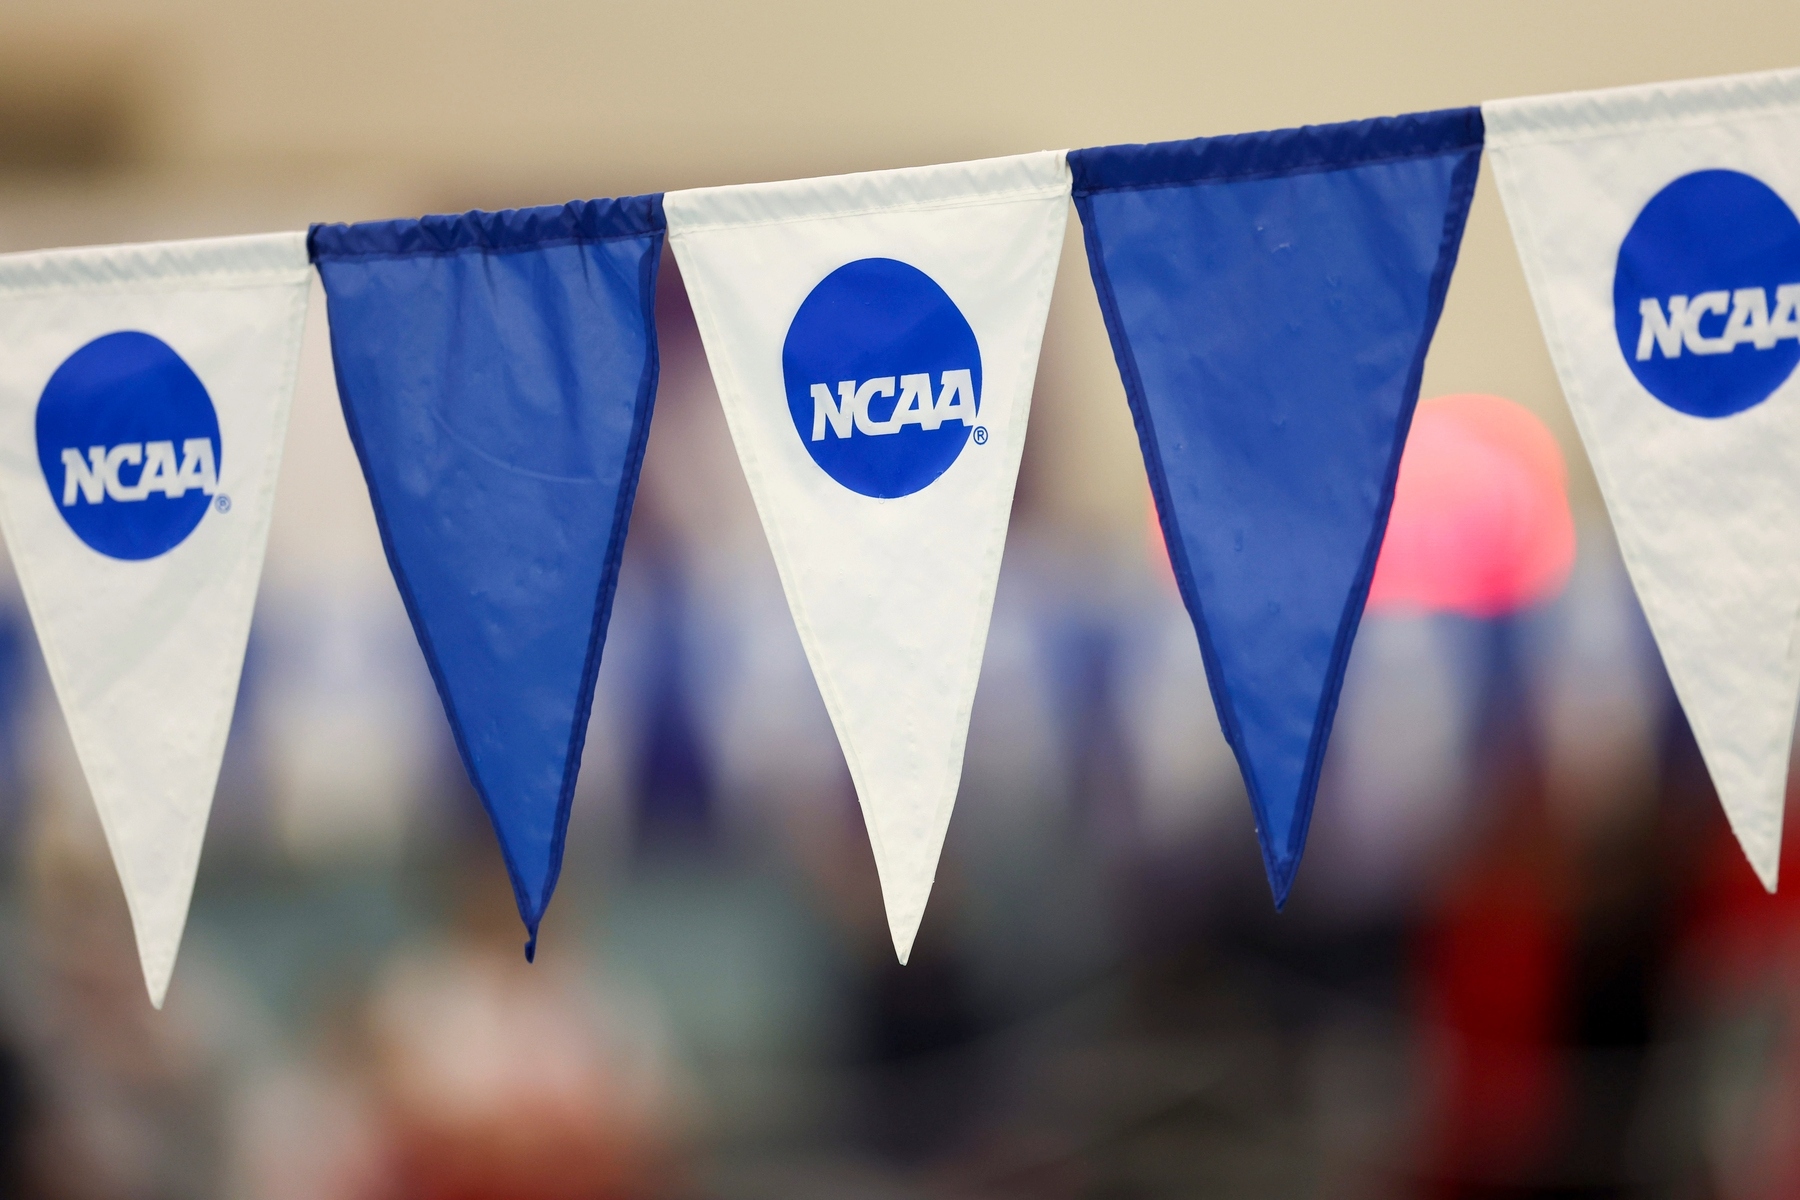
1270 299
497 372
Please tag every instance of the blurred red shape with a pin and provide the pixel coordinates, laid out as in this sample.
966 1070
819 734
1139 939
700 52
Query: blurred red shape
1481 523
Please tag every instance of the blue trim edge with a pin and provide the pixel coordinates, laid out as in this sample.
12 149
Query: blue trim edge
648 269
494 232
1278 152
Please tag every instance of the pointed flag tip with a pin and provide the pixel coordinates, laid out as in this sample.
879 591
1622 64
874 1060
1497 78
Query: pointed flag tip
156 956
1760 841
156 983
903 944
1767 867
1281 878
531 945
904 930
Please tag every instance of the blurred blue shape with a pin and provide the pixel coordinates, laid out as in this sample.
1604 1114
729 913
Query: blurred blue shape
673 777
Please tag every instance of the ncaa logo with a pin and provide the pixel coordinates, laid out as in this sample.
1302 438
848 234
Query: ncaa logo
1706 297
883 377
129 444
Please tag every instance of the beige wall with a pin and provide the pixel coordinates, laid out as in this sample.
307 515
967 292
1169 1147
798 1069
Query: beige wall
228 116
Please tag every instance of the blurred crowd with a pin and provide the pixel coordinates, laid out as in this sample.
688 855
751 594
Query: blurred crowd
1524 956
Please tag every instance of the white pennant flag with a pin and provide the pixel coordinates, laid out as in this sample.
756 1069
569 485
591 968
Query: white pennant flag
1658 232
874 339
143 401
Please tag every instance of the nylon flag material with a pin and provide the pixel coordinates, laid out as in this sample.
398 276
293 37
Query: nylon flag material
1658 232
1270 298
144 399
497 372
875 339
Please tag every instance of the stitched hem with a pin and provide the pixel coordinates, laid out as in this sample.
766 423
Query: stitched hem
167 283
680 228
1688 103
428 252
1243 157
578 222
213 262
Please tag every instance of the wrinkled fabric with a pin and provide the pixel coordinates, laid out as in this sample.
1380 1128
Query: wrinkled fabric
140 556
1700 480
1270 299
497 372
923 292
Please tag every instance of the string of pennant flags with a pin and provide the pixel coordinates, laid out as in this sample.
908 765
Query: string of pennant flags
874 338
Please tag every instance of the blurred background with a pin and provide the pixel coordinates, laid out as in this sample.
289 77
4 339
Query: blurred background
1523 957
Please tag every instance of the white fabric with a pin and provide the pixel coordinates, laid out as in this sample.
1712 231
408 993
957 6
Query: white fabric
1707 509
892 597
145 654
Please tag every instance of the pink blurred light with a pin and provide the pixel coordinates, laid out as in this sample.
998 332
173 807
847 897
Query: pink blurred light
1481 523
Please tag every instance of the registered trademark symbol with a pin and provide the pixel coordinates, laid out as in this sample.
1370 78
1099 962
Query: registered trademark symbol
222 503
981 435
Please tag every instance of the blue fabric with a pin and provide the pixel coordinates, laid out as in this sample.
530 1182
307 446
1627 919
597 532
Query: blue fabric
497 372
1270 299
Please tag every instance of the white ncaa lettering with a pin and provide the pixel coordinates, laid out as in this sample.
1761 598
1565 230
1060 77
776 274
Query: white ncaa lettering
198 470
88 475
915 406
839 412
118 456
850 407
160 471
867 392
1786 321
957 399
1656 331
1698 307
1749 322
95 477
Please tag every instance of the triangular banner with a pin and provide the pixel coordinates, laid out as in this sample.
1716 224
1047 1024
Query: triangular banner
1658 232
1270 298
875 339
497 372
144 399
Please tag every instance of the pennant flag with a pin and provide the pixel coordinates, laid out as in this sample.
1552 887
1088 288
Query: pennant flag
144 396
1658 232
874 339
497 372
1270 298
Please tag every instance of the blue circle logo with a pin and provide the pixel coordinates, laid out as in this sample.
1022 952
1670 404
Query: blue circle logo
883 377
1706 293
129 444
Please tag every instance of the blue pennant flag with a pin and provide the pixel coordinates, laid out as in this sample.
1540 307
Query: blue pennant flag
497 372
1270 298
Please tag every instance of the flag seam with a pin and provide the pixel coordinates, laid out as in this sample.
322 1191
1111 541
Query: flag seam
679 227
1273 172
649 265
1519 136
286 277
454 251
